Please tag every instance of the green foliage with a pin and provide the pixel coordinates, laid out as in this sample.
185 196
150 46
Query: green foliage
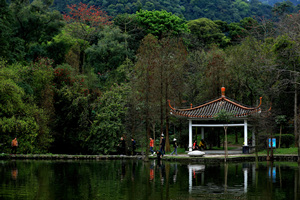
56 103
129 25
284 48
72 111
286 139
224 116
225 10
207 32
35 22
280 119
108 124
5 29
109 52
160 23
19 113
41 73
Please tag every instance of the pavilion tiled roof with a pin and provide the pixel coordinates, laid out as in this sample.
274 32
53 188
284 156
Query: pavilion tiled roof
210 109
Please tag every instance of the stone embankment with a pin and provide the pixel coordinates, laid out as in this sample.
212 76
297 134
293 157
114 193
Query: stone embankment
180 157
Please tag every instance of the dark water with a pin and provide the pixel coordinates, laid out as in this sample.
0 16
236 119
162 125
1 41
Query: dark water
134 179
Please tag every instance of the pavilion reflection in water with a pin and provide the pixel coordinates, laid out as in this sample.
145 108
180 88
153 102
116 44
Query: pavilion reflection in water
198 183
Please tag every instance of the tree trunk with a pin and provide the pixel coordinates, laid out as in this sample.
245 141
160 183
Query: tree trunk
268 150
280 136
225 142
295 116
167 119
256 149
225 177
153 127
146 158
299 148
161 102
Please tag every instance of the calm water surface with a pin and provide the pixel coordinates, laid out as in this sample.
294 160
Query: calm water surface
134 179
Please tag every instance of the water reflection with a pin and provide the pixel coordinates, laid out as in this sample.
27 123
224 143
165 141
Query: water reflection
134 179
193 169
14 171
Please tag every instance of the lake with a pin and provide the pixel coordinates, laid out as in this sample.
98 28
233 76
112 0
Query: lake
135 179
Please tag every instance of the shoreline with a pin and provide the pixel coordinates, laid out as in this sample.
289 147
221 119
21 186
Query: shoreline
179 158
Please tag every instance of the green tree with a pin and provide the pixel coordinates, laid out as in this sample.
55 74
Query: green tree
159 77
108 124
143 81
129 25
160 23
110 51
280 120
72 111
207 32
34 22
224 117
23 114
85 22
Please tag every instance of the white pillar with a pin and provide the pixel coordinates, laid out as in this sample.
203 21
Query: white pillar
190 179
245 133
202 133
245 179
253 137
190 136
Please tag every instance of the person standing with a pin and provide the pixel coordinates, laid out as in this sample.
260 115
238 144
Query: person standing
133 146
122 146
163 143
175 147
202 145
159 156
151 145
195 146
14 145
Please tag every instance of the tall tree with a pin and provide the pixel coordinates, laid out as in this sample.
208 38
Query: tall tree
172 75
84 22
145 79
163 79
224 117
109 121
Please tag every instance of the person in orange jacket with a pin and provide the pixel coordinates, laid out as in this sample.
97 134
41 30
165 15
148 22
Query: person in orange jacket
151 145
14 145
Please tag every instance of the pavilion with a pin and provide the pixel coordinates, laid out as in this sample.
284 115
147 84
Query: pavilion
206 112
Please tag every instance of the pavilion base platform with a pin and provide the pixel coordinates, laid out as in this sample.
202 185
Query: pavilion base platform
222 152
196 153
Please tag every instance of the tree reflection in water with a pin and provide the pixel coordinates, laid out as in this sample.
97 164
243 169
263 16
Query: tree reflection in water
135 179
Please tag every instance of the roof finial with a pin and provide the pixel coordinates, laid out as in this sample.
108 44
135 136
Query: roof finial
223 91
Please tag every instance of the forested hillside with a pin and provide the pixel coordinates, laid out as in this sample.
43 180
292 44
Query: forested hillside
273 2
75 82
225 10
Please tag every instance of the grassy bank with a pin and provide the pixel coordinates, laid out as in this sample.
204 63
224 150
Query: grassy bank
282 151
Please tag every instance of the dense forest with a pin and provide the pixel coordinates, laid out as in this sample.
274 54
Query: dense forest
76 78
225 10
273 2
